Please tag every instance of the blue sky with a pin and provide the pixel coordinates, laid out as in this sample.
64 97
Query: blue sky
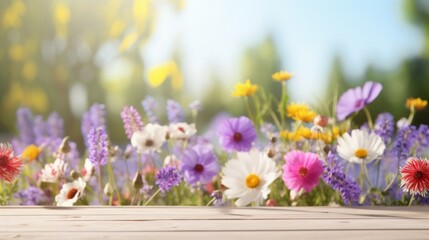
212 35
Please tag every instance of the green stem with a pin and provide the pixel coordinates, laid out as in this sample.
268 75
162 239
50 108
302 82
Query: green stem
276 121
282 106
200 195
115 186
411 200
249 111
100 189
368 117
365 170
151 198
412 113
211 201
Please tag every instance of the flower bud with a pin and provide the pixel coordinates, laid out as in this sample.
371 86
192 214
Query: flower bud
321 121
74 175
108 190
271 203
65 146
138 181
271 153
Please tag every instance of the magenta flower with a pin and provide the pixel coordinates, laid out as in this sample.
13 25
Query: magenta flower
199 165
237 134
302 170
355 99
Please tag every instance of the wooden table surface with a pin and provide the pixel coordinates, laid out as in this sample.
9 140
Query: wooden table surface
207 223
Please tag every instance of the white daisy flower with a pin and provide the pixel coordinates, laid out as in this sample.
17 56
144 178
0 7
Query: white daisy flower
181 131
88 170
53 171
150 139
70 193
248 177
360 147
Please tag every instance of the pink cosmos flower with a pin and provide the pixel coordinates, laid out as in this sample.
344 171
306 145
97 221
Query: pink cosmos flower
302 170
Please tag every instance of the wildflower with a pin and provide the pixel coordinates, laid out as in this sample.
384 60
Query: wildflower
70 193
405 139
131 120
53 171
175 112
88 170
94 118
356 99
10 165
416 104
249 176
244 89
237 134
150 139
302 170
31 152
335 177
282 76
300 112
360 147
415 176
149 105
98 146
384 126
199 165
181 131
32 196
167 178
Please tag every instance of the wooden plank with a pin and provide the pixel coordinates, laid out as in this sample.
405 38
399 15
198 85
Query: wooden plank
413 212
280 235
17 225
211 223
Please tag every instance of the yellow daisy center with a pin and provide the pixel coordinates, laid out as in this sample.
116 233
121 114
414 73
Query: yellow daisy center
252 181
361 153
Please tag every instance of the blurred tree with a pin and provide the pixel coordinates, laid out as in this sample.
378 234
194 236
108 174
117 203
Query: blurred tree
411 79
64 55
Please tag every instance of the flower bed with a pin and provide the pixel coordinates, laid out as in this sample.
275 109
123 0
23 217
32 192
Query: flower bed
280 154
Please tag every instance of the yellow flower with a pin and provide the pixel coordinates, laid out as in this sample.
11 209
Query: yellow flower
244 89
300 112
282 76
326 137
31 152
416 103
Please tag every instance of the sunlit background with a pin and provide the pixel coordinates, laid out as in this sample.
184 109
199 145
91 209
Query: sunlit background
63 56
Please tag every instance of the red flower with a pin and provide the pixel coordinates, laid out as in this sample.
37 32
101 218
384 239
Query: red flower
415 176
10 165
